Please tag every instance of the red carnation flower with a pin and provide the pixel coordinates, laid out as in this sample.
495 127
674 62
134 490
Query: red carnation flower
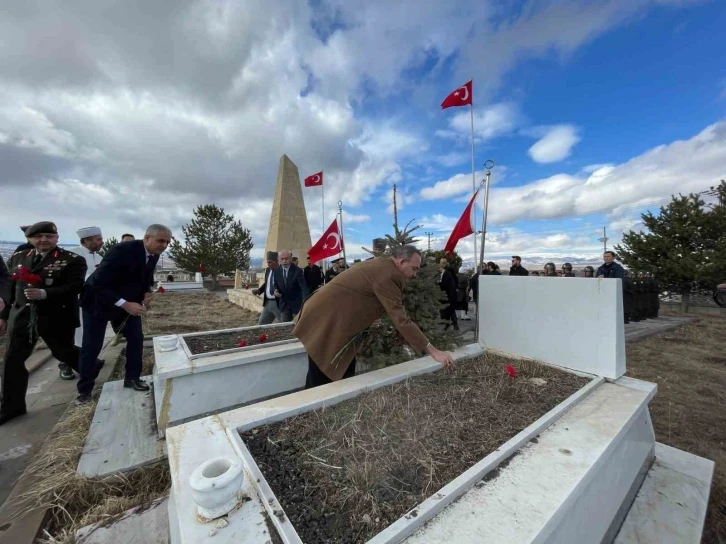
263 337
161 289
509 369
242 343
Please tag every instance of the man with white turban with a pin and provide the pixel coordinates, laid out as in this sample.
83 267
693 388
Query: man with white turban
91 241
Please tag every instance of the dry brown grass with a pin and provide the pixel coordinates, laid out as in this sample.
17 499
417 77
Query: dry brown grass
75 501
343 473
689 410
175 313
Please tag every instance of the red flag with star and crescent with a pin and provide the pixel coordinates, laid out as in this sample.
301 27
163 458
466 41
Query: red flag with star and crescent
330 243
315 180
460 97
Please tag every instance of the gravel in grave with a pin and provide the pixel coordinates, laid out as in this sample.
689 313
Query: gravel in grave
207 343
344 473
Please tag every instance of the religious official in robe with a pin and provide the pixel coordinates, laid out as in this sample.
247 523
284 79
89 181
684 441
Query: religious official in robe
42 304
91 241
332 317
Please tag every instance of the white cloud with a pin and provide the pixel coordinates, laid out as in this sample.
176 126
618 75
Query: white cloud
555 145
679 167
492 121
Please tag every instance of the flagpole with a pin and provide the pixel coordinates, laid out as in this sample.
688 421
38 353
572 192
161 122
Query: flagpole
489 164
473 168
322 186
342 233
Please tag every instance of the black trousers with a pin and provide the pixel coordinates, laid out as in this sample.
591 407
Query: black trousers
94 329
315 377
58 336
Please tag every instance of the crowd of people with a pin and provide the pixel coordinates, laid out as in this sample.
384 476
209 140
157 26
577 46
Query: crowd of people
67 298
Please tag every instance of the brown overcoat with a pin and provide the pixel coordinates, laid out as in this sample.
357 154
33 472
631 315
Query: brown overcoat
332 316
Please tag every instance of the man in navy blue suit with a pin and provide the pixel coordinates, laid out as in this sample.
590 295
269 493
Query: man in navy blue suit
290 287
117 292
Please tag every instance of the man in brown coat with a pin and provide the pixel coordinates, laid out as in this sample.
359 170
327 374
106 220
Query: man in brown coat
361 295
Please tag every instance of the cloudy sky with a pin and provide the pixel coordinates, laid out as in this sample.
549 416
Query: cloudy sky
120 114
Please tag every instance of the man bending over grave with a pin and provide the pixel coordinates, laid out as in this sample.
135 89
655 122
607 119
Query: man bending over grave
361 295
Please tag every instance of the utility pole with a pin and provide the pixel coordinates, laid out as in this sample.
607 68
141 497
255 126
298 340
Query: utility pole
429 234
604 240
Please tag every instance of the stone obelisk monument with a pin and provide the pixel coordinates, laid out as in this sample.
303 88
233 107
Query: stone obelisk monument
289 223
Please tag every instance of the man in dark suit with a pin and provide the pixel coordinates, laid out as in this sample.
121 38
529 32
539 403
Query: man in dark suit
4 285
270 311
117 292
290 287
517 269
45 305
27 244
313 276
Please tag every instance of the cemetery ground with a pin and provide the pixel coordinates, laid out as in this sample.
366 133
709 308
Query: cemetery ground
688 364
689 409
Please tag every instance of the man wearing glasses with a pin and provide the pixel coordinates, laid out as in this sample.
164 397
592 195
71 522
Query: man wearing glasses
43 303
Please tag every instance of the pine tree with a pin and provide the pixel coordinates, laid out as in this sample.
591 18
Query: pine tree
455 260
107 244
684 245
421 298
213 243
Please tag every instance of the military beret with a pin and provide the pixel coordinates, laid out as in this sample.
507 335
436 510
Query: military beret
42 227
272 255
24 228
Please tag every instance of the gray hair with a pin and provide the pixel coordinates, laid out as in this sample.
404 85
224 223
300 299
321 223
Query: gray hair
405 252
155 229
289 253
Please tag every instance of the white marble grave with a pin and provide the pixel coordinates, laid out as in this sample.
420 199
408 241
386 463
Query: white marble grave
187 386
594 474
576 323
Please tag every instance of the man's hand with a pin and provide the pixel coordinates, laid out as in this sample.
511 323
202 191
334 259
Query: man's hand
3 326
443 357
277 294
2 305
134 308
147 300
31 293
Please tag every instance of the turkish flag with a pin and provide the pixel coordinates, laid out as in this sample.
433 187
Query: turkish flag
464 227
460 97
330 243
315 180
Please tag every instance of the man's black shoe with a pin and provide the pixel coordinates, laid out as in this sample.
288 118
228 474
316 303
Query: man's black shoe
4 418
82 399
66 373
137 385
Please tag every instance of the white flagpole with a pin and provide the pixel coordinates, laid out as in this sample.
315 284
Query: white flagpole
322 186
342 234
489 164
473 169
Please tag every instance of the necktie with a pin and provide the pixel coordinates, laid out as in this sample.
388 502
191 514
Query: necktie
36 260
284 276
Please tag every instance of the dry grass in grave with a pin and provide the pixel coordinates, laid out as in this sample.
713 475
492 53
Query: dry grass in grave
344 473
176 313
75 501
689 410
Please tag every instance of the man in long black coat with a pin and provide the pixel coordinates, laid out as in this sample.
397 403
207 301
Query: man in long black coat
290 287
117 292
447 283
46 309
